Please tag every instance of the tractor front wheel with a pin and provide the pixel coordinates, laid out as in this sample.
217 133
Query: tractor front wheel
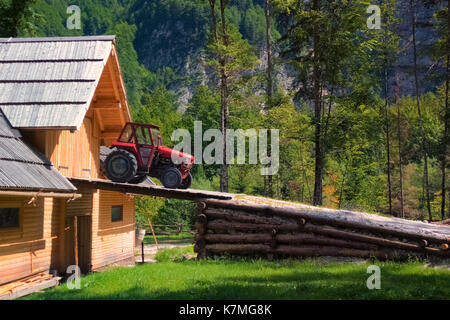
186 183
120 166
171 178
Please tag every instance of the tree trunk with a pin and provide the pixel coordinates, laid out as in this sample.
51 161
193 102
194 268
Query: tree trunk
399 136
269 89
416 82
388 141
318 168
224 111
446 120
223 88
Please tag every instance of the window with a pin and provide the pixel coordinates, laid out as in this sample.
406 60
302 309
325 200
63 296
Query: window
9 218
155 134
127 135
116 213
143 136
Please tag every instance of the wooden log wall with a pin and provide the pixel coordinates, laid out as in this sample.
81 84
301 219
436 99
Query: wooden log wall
246 228
32 247
112 242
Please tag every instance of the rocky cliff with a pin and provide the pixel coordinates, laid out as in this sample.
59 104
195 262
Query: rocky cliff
178 42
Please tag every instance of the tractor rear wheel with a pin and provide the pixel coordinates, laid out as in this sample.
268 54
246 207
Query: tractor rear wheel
171 178
120 166
186 183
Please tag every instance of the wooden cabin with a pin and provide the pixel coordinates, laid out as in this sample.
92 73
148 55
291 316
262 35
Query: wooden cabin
61 99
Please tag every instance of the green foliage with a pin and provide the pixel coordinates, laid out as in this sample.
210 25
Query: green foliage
238 53
175 254
160 108
137 78
147 208
16 15
177 211
161 36
172 238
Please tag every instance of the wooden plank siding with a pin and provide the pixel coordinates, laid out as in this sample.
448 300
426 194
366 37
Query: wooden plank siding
112 241
33 247
76 154
45 240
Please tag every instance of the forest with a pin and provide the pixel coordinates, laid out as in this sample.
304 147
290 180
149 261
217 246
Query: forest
363 111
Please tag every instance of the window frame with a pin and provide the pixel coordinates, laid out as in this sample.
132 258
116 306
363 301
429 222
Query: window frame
121 213
13 205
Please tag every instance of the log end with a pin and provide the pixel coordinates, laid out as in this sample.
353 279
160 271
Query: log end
423 243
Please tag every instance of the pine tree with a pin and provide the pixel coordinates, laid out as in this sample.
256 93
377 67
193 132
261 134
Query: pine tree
320 44
426 183
233 56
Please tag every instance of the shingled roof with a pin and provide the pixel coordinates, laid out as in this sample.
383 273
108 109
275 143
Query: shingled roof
50 82
23 168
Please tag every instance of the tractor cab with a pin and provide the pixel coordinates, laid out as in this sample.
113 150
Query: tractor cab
139 152
140 139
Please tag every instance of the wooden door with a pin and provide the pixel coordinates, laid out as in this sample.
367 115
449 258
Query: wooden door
84 243
78 242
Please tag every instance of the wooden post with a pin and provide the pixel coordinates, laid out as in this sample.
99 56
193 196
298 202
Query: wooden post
61 236
75 243
142 252
153 233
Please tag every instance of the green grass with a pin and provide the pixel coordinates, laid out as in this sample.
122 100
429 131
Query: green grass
182 237
257 279
175 254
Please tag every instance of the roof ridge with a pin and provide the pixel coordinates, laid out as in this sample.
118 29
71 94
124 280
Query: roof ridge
51 60
60 39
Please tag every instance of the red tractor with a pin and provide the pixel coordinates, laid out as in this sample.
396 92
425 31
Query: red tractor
139 152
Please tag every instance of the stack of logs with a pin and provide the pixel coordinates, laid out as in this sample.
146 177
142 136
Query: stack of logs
246 228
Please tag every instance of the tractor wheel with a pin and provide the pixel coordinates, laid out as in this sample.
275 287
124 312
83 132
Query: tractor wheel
186 183
120 166
171 178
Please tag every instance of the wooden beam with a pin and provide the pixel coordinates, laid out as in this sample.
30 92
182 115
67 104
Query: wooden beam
61 240
107 104
99 118
116 66
115 86
40 194
113 78
75 241
157 191
110 134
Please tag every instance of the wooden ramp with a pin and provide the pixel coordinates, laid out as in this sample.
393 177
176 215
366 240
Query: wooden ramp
150 190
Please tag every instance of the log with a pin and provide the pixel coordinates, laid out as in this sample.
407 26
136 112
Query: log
302 238
201 223
242 216
222 225
201 219
334 232
443 222
304 251
341 218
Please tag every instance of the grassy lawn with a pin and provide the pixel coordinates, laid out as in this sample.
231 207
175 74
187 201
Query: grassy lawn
173 278
183 237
